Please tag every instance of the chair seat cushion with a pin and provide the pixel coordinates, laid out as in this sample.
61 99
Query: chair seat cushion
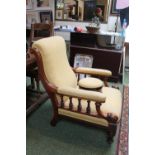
113 104
90 83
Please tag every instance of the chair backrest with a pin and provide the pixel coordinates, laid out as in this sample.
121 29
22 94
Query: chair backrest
40 30
55 62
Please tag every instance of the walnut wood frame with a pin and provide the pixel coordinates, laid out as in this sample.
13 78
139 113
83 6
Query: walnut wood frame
52 92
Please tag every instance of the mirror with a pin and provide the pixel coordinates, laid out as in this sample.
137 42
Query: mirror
82 10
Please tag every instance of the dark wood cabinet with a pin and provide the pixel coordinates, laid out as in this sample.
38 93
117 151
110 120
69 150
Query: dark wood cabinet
104 58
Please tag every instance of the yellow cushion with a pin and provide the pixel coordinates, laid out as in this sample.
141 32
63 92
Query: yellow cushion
55 62
113 103
90 83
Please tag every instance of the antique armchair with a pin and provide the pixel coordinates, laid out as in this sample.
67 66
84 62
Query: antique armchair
101 107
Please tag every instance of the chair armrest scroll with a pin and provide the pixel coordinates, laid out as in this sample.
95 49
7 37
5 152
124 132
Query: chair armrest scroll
83 94
93 71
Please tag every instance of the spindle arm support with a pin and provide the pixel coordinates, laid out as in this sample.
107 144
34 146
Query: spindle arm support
82 94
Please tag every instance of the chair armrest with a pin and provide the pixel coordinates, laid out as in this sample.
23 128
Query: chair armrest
93 71
83 94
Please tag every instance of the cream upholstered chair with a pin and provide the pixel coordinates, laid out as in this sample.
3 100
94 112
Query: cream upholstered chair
101 108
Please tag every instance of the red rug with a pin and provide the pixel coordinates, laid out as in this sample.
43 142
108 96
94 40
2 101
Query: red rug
124 127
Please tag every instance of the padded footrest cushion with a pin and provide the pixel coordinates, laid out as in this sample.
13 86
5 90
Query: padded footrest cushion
90 83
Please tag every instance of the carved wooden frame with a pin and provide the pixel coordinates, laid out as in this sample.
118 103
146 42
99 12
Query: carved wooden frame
52 92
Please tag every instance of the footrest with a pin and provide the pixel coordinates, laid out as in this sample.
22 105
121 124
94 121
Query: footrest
90 83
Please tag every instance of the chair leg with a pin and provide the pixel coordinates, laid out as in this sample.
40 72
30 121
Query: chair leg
54 120
38 84
55 110
32 83
111 132
54 117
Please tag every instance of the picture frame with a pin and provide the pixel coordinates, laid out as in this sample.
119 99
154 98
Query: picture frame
46 17
60 4
59 14
31 18
83 60
28 4
42 4
114 11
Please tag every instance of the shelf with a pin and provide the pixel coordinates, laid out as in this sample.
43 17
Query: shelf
39 9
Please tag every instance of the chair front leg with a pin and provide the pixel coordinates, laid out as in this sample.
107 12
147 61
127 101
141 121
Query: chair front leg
112 128
111 132
112 121
55 118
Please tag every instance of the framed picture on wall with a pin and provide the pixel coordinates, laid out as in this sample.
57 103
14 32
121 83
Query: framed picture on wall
59 14
46 17
42 4
31 18
114 11
59 4
28 4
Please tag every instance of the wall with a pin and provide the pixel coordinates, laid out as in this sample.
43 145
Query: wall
110 26
33 12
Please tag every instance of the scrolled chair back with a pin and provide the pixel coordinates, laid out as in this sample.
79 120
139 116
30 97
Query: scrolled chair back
55 62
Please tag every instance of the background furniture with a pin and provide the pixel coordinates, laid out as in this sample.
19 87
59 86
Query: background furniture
38 31
79 10
98 108
106 57
126 45
38 11
34 98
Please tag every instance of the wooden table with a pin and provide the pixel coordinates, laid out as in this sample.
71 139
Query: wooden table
34 98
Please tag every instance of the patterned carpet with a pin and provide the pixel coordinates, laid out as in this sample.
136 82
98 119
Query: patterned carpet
124 128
